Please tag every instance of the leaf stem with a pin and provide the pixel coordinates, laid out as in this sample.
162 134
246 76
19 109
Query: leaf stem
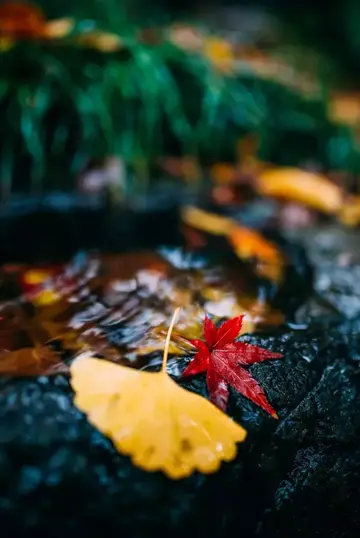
167 341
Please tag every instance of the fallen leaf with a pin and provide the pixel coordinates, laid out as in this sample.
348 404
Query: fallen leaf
45 297
39 360
205 221
220 53
308 188
19 20
251 244
223 173
59 28
160 425
349 214
190 326
345 108
223 359
247 244
101 41
186 37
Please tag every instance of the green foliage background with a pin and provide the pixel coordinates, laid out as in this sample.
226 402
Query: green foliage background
63 104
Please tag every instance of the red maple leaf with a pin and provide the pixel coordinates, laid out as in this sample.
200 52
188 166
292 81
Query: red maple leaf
223 359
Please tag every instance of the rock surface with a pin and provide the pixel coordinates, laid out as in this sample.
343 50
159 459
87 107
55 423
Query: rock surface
297 477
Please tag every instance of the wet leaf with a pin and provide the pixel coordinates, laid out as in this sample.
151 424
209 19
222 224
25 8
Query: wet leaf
205 221
349 214
102 41
312 190
345 108
160 425
223 359
250 245
20 20
39 360
220 53
223 173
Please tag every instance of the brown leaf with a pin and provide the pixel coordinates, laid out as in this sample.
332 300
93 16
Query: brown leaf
34 361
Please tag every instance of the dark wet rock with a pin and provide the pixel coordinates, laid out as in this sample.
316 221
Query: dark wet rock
340 287
308 461
298 476
330 243
60 476
350 331
318 495
311 460
316 311
334 253
329 412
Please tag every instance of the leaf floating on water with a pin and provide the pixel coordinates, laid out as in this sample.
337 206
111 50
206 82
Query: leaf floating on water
223 360
160 425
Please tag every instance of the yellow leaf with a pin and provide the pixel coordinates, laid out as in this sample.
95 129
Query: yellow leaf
59 28
349 214
312 190
247 244
46 297
102 41
205 221
150 418
6 43
220 53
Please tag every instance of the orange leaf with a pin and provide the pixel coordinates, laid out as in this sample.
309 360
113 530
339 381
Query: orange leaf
21 20
345 108
249 244
312 190
160 425
223 173
29 361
